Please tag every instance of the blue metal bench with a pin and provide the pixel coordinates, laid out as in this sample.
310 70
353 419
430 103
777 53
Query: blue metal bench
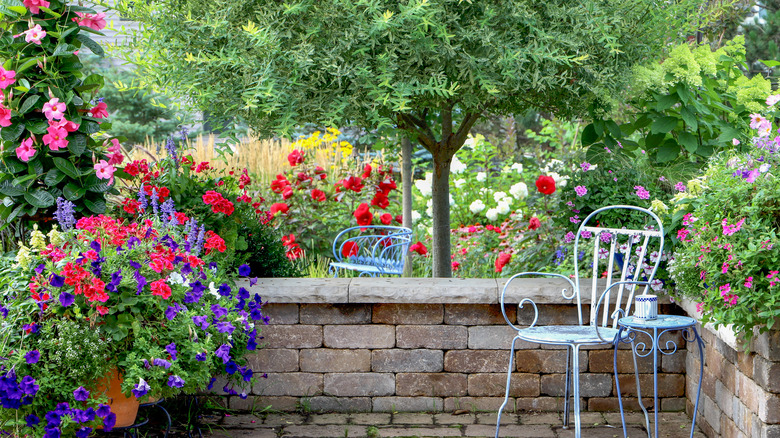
371 250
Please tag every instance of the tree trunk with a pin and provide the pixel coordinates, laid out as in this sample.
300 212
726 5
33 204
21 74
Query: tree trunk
442 263
407 180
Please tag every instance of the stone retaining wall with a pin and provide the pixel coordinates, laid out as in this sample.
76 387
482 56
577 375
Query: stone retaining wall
740 389
428 345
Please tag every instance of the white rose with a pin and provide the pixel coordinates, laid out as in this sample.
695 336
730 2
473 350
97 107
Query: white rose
498 196
517 167
492 214
415 216
425 186
456 166
519 190
477 206
560 181
503 208
481 176
459 182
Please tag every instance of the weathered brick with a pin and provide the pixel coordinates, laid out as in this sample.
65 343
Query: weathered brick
611 404
407 404
549 314
546 361
398 314
296 384
601 361
745 363
535 404
768 345
281 313
494 385
712 415
441 337
283 403
476 404
725 349
359 336
269 360
714 361
729 429
591 385
513 430
340 404
400 361
769 407
327 360
748 392
725 399
292 336
767 373
478 314
729 376
359 384
326 314
673 404
673 363
669 385
496 337
476 361
431 384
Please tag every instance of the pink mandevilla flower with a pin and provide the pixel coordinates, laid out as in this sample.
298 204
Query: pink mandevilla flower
26 151
92 21
99 111
7 77
103 170
54 109
35 5
5 116
56 138
34 34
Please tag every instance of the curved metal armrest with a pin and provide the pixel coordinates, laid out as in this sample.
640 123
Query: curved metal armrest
528 300
619 311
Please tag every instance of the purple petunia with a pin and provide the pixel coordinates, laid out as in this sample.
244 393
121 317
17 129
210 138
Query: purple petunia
218 311
103 411
32 356
81 394
231 367
172 311
56 281
109 422
32 420
243 293
141 389
66 299
244 270
224 290
225 327
28 385
53 419
175 381
171 349
201 321
83 432
223 352
252 281
161 363
201 357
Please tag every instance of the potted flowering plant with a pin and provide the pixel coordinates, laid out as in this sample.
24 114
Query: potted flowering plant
727 258
143 299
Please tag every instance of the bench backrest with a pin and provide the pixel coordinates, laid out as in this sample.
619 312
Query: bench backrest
382 246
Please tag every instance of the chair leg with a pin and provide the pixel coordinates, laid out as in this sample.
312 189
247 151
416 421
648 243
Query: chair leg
575 373
566 391
508 381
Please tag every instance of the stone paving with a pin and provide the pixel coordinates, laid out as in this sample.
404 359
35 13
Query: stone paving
419 425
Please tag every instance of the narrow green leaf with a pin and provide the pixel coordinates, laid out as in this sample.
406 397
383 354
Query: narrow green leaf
90 44
28 103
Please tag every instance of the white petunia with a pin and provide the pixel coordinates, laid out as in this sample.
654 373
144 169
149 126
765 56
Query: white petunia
175 278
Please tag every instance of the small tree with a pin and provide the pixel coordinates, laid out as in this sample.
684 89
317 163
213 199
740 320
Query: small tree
431 67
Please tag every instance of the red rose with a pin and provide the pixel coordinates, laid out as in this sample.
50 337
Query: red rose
399 218
367 171
319 172
353 183
363 215
287 193
380 200
279 207
455 266
279 183
288 240
387 186
295 158
534 223
419 248
502 260
545 184
386 218
318 195
349 249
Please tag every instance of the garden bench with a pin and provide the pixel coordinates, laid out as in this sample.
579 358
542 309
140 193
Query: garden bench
371 250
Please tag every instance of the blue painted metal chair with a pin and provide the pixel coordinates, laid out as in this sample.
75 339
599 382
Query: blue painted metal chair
621 266
371 250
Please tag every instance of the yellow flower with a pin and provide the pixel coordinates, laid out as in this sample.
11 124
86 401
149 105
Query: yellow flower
55 237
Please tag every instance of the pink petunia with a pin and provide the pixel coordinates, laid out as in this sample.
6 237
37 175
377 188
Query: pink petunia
7 77
56 138
54 109
92 21
25 151
35 5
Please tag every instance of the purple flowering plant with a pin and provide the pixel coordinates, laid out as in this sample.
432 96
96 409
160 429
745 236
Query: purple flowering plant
145 296
728 260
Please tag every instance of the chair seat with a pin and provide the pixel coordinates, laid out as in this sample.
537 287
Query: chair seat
568 334
366 268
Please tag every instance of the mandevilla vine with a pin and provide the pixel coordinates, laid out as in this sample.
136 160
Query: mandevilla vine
49 118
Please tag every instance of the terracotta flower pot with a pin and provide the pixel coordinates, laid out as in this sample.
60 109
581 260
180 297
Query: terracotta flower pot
126 409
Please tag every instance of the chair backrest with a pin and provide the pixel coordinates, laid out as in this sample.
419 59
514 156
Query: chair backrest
619 256
382 246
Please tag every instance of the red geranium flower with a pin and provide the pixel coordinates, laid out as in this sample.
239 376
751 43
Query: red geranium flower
502 260
353 183
363 215
534 223
279 183
419 248
545 184
161 288
295 158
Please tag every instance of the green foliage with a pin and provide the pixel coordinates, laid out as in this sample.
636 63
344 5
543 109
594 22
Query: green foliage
29 186
727 259
695 103
140 115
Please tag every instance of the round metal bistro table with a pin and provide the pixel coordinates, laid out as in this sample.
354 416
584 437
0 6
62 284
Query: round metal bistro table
635 330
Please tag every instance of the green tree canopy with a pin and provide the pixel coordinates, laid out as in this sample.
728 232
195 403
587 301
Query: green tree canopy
431 67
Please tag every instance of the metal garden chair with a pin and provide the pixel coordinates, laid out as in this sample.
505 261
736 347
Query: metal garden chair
621 265
371 250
